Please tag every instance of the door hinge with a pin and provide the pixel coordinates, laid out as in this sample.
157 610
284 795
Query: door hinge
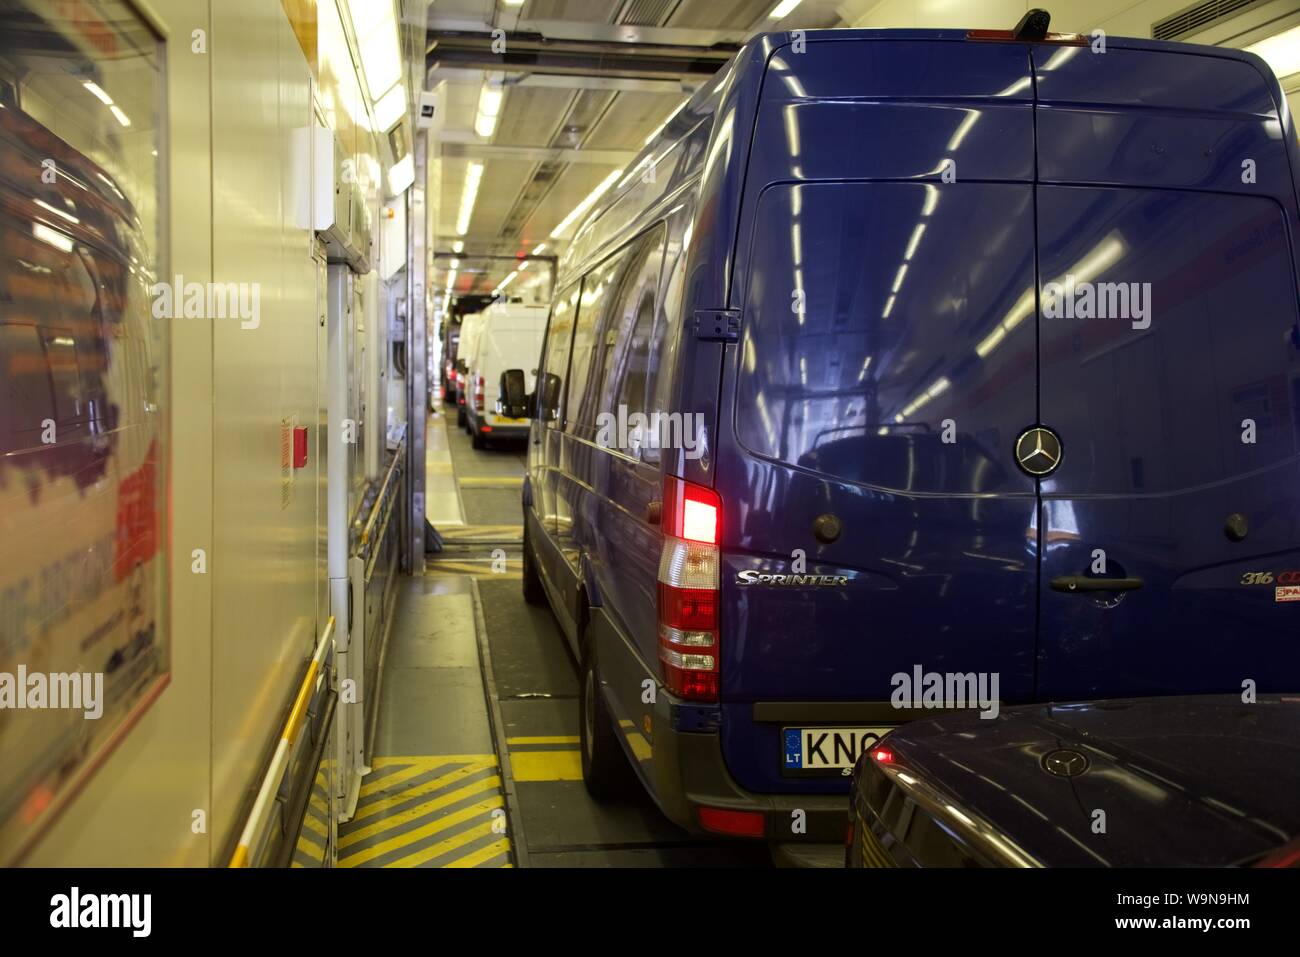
717 325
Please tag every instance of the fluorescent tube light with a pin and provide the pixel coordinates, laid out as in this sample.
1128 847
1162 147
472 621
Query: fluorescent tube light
473 175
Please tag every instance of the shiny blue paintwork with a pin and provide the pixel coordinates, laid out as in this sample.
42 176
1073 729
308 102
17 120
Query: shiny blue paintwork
1184 781
803 190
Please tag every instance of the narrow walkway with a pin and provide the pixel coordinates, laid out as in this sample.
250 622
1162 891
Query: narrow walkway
533 686
434 797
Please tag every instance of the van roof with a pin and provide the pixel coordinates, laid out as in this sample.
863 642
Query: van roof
707 101
514 314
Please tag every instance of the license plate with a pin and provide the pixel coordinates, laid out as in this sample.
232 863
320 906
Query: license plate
826 750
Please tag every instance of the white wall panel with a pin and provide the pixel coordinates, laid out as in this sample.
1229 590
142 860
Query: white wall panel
264 379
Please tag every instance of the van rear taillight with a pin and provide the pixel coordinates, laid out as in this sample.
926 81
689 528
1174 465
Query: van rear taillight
1009 36
737 823
478 393
1032 28
690 609
692 512
688 591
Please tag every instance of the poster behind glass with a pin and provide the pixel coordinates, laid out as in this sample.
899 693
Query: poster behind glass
83 642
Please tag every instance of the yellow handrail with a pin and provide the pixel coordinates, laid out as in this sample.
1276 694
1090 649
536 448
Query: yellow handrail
398 455
288 737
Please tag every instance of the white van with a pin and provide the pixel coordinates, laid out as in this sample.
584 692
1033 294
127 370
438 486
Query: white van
469 330
510 338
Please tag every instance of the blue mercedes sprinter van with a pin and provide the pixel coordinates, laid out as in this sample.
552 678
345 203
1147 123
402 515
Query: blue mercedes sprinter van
971 355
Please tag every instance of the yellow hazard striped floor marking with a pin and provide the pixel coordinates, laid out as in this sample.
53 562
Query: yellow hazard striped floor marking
371 808
315 855
432 811
312 824
486 806
417 811
495 849
473 835
312 847
408 768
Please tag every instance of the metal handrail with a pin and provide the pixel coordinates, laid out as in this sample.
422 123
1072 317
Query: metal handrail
260 815
385 490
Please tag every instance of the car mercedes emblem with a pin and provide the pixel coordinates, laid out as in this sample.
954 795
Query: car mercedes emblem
1038 451
1065 763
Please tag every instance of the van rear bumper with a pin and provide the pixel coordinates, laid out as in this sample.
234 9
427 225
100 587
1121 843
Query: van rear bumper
503 431
691 773
482 424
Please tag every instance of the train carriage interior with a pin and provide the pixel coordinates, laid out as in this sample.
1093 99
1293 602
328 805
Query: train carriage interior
651 434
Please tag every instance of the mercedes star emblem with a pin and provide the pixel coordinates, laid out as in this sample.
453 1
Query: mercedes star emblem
1038 451
1065 763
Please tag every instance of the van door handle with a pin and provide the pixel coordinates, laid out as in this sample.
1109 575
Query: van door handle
1076 584
654 512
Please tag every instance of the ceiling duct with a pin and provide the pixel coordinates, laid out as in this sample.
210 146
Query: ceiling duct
646 13
1200 16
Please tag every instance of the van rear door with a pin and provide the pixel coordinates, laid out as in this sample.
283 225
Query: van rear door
885 366
1167 196
511 340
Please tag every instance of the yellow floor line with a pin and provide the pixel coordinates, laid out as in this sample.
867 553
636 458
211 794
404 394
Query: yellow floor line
546 765
470 533
396 820
445 573
489 481
544 739
639 745
433 827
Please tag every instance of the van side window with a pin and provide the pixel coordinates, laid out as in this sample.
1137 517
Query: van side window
596 291
555 355
663 339
626 378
